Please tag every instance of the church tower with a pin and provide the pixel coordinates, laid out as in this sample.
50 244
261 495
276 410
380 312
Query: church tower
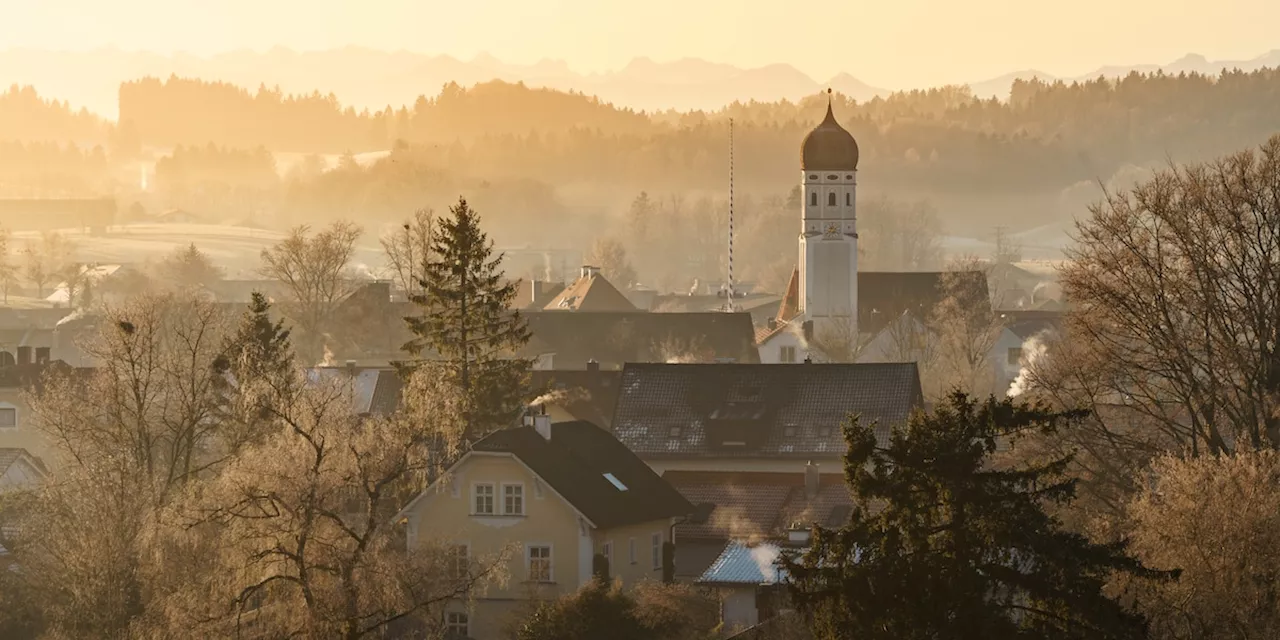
829 235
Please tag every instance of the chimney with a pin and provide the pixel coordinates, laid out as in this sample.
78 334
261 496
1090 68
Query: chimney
797 535
589 271
810 480
542 424
593 365
773 323
808 330
351 368
535 287
43 355
24 356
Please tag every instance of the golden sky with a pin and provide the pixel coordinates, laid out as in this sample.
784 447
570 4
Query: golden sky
889 43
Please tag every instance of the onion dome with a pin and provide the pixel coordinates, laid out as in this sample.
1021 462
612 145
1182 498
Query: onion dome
829 147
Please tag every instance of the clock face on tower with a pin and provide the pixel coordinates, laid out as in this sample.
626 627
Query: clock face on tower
833 230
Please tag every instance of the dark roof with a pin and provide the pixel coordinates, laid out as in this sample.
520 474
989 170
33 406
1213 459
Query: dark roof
587 395
885 295
614 338
760 505
694 556
788 410
574 462
1027 323
829 147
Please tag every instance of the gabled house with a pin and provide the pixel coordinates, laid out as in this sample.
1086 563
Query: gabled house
720 417
20 469
590 292
571 498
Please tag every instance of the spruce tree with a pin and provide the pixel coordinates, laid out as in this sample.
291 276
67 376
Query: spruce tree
945 544
258 363
467 324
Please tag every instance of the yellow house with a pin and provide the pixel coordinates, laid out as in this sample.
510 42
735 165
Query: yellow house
558 495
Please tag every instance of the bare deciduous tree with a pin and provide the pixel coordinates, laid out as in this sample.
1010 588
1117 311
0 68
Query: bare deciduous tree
407 249
965 330
611 257
44 261
315 269
304 523
1177 284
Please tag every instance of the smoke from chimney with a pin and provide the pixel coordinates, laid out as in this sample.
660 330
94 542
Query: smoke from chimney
1032 350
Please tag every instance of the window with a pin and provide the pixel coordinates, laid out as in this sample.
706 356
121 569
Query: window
631 549
674 432
813 176
459 561
813 199
655 550
483 499
513 499
606 550
831 199
787 354
1015 355
613 480
848 199
539 564
789 431
457 625
8 417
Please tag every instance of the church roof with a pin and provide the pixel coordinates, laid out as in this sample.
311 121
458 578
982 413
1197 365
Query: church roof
591 292
829 147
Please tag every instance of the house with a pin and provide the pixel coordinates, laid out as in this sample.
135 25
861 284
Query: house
19 372
753 507
883 299
563 494
749 582
612 338
756 417
590 292
20 469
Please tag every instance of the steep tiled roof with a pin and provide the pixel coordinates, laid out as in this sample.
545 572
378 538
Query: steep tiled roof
745 564
586 395
759 505
664 410
574 462
885 295
614 338
591 292
790 306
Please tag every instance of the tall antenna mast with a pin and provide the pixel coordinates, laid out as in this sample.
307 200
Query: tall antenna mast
728 305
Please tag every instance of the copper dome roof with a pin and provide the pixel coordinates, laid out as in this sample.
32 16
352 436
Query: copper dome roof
829 147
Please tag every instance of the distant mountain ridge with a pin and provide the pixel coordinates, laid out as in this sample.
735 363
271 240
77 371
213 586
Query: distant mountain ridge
363 77
1190 63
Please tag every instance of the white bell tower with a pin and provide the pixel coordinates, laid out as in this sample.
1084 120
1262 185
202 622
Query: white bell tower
829 233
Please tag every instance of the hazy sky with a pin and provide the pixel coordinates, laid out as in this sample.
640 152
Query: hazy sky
891 43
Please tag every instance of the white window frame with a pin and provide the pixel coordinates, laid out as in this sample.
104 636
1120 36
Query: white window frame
450 625
507 485
551 562
6 405
453 559
631 549
493 499
655 543
787 353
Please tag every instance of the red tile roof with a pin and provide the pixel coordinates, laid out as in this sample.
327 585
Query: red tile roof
590 293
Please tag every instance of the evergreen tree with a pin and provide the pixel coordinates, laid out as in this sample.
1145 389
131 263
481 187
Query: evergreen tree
959 548
467 322
259 363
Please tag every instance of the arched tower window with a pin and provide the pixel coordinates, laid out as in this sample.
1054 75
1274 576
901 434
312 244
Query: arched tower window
831 199
848 199
813 199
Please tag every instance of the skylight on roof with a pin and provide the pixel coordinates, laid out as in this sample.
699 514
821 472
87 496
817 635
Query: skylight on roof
616 482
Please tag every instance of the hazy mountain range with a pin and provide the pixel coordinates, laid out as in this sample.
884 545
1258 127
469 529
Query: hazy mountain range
365 77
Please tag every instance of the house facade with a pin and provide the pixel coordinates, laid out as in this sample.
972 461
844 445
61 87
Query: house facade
558 498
